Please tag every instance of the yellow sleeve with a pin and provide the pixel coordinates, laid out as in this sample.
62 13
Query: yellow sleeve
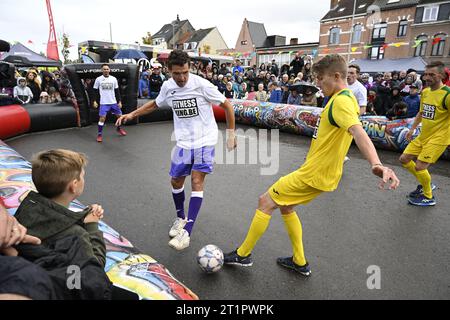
345 112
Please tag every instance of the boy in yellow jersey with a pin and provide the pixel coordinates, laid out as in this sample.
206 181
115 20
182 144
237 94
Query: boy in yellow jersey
434 137
335 130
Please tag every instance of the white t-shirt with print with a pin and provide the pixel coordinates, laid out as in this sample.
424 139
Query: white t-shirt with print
360 92
106 86
193 117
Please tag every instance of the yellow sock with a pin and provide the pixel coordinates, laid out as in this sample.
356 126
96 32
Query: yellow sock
424 178
257 228
294 229
411 167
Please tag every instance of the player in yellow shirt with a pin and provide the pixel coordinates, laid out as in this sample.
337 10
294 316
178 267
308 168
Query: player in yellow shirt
434 137
338 125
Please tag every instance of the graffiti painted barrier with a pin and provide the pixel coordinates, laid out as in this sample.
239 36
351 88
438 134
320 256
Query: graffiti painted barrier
385 134
126 266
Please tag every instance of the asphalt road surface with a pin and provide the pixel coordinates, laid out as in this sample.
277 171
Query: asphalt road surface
347 234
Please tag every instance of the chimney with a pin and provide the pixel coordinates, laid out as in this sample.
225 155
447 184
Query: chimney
293 41
333 4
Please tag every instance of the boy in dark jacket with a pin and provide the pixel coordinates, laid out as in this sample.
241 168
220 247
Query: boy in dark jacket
59 179
413 101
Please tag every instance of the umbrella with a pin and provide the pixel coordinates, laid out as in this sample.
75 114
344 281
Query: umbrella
301 87
130 54
4 46
18 60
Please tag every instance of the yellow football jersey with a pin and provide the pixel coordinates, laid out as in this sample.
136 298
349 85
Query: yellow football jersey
331 141
435 111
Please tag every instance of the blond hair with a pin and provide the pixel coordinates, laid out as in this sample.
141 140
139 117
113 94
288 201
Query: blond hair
53 170
331 64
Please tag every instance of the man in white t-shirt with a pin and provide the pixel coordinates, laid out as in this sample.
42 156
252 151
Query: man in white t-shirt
107 93
191 98
358 89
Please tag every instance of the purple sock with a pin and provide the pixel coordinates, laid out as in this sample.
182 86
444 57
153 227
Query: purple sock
194 207
178 198
100 128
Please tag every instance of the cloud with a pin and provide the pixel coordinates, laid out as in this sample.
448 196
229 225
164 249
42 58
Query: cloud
89 19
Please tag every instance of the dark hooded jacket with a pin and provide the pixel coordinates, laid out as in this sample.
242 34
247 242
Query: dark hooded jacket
66 242
50 221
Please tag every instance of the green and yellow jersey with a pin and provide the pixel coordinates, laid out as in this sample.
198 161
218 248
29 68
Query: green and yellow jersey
435 111
331 141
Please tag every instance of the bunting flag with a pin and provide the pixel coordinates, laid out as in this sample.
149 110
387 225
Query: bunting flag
354 49
367 47
436 40
314 52
417 42
115 47
30 42
385 45
280 52
83 50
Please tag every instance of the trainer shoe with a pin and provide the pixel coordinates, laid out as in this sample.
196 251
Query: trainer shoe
181 240
422 201
419 190
289 263
177 226
121 132
99 138
233 258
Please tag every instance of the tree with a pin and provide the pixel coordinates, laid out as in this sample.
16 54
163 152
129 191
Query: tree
65 47
147 39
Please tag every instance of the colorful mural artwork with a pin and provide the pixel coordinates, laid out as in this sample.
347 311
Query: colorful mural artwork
385 134
126 266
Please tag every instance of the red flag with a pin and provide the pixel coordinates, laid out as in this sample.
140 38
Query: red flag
385 46
437 40
30 42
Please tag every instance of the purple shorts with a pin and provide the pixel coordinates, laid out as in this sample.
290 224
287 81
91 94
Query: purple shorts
113 108
186 160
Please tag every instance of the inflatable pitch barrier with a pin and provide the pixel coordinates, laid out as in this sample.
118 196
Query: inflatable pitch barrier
126 266
384 133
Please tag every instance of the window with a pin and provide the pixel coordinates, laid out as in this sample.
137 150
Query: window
438 45
376 53
244 42
379 32
430 13
334 35
357 29
421 49
402 28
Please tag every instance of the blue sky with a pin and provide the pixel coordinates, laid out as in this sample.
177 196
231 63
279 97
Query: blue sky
89 19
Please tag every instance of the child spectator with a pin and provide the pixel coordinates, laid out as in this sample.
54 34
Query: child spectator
413 101
22 92
252 94
229 93
276 95
261 95
58 176
398 111
375 103
285 89
144 85
54 96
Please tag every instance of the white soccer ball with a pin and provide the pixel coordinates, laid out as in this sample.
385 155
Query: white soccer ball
210 258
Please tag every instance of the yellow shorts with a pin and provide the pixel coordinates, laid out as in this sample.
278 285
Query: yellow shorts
291 190
429 153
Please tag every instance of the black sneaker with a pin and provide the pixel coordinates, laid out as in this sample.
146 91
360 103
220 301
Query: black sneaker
419 191
233 258
289 263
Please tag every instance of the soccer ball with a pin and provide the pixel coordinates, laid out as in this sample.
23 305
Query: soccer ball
210 258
